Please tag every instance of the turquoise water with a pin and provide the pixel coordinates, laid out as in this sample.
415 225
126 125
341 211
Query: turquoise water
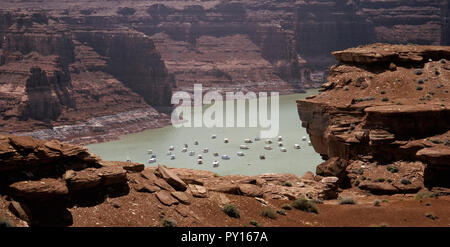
136 146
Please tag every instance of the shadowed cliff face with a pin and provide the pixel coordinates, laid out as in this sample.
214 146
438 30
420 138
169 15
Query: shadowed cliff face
49 78
384 113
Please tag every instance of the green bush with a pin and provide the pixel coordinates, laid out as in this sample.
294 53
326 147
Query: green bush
305 205
281 212
431 216
255 223
287 184
348 200
405 181
5 223
286 207
169 222
269 213
231 211
392 169
424 194
377 203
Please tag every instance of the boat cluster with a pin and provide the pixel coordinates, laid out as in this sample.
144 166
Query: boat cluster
244 146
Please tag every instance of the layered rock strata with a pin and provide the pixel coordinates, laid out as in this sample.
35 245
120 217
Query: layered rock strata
382 119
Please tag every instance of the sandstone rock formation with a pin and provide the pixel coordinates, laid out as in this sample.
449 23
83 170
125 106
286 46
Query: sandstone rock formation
76 69
43 181
382 119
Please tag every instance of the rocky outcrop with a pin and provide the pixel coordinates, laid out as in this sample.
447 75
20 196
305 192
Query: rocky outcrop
42 181
372 120
44 178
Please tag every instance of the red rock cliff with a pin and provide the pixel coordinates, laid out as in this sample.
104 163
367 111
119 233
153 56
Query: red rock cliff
384 115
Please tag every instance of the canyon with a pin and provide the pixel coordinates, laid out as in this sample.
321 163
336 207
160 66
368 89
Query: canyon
67 64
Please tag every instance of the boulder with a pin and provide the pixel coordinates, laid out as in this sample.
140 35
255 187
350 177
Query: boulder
111 175
166 198
161 183
171 178
44 189
330 180
228 188
82 180
198 191
145 187
153 179
130 167
181 197
333 167
250 190
379 188
308 176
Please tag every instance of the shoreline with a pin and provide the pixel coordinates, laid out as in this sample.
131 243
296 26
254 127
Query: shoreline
111 127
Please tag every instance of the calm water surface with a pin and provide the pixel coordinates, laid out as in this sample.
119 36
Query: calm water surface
135 146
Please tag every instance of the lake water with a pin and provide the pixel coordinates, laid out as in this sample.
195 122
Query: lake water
136 146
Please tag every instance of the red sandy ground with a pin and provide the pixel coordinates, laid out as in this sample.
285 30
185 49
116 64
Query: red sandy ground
139 209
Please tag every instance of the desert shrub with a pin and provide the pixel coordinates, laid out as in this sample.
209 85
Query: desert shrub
231 211
358 100
255 223
424 194
389 180
383 92
443 61
287 184
377 203
357 182
269 213
347 200
420 81
436 141
419 88
392 169
405 181
169 222
5 223
281 212
385 99
305 205
286 207
379 180
431 216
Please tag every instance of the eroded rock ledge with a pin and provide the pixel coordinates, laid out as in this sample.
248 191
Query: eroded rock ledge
45 181
382 121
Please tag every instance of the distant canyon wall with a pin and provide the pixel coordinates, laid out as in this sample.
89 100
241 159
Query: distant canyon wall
95 58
